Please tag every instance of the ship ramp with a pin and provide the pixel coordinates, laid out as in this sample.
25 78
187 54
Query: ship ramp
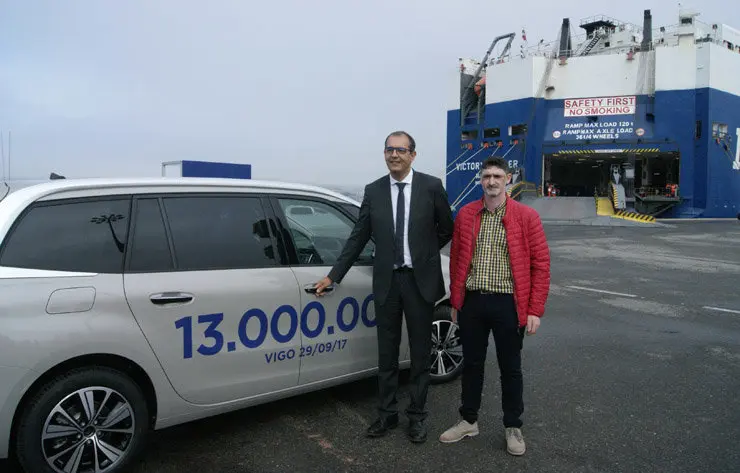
562 208
598 211
619 197
604 206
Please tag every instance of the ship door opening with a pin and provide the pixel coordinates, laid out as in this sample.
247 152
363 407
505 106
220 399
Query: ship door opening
579 175
655 188
655 173
649 180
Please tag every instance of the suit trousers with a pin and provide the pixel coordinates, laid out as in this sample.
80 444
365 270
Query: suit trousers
481 314
404 298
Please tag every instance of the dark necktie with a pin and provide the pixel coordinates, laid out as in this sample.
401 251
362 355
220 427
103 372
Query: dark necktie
400 217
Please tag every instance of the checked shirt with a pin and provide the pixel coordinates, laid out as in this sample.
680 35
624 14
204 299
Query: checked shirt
490 269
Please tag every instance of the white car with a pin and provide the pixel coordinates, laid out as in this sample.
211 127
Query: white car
137 304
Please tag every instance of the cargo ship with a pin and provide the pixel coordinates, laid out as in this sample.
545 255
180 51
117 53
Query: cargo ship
629 120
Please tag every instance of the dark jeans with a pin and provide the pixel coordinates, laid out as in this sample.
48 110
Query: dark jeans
481 314
404 298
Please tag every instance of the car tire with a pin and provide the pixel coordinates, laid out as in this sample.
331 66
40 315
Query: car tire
447 351
108 397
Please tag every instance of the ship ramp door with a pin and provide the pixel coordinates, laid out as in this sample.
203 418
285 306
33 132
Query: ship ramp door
579 173
656 183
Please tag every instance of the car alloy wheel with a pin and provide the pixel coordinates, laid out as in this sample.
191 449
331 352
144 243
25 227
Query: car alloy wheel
447 350
90 419
89 429
446 361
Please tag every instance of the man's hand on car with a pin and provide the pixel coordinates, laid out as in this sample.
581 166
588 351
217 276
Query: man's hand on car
323 284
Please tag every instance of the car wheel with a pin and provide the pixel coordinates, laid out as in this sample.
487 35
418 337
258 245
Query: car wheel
447 355
89 419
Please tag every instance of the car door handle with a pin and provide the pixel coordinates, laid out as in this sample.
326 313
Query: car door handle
311 289
170 298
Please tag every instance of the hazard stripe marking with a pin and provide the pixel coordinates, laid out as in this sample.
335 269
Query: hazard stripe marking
592 151
634 216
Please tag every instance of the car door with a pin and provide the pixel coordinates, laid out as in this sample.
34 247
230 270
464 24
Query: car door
205 284
339 335
353 210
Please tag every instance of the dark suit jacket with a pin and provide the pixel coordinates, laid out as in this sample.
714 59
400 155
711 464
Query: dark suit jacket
430 229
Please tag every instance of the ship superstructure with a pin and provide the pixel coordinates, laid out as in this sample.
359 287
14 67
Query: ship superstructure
647 118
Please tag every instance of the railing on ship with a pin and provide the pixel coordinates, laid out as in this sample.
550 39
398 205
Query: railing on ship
653 191
521 187
668 37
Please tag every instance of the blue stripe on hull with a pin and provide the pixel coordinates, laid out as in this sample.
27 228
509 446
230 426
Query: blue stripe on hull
708 183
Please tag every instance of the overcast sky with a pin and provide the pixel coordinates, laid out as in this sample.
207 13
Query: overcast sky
302 90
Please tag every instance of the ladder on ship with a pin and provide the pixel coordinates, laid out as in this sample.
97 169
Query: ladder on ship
472 106
594 41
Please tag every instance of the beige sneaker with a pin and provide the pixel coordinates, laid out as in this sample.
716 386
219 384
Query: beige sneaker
459 431
515 441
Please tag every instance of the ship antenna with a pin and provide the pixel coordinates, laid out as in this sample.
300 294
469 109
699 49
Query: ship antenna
5 177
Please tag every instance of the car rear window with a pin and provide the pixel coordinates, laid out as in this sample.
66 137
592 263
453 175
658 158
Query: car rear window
84 235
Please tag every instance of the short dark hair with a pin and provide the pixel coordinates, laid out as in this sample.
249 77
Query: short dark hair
412 143
495 161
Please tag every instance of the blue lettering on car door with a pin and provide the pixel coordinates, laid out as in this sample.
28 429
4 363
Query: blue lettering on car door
349 313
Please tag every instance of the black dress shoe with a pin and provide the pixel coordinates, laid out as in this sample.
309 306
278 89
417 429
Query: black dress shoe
381 426
417 431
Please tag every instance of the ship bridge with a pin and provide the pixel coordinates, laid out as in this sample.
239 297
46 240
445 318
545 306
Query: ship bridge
644 119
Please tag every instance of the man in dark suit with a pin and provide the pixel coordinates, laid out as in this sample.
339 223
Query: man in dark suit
409 218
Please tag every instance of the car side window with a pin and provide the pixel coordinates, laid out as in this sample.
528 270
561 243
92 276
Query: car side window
352 209
219 232
150 250
80 235
320 232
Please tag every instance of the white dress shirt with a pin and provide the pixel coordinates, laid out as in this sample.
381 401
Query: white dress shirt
407 207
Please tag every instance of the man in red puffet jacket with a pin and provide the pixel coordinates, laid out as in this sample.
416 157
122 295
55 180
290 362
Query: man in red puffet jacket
499 282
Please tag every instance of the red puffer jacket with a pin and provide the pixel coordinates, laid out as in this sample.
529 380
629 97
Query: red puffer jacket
529 255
